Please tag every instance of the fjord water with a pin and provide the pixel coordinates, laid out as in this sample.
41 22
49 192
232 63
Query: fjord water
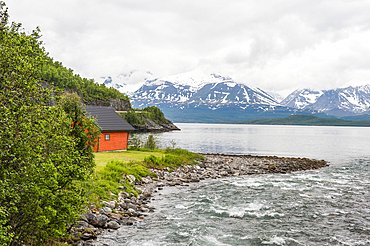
329 206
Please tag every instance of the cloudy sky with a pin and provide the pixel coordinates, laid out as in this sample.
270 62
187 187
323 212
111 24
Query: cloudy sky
277 45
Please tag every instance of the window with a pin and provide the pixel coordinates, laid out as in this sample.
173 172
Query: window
107 137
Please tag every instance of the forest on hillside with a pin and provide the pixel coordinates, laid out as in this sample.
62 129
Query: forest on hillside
55 74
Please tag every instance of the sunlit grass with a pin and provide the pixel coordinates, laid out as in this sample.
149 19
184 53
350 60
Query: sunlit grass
113 168
102 158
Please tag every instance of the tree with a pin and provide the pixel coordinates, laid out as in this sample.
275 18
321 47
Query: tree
44 151
135 142
151 143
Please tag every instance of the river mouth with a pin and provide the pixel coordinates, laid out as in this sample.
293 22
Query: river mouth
327 206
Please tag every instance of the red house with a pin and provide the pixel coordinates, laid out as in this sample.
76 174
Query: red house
115 131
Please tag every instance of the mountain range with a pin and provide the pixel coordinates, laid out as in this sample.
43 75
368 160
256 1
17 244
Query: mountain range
210 97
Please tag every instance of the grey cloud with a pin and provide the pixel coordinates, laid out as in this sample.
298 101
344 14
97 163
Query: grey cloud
275 44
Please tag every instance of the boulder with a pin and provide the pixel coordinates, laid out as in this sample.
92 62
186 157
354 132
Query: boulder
123 205
105 210
146 180
91 219
111 204
82 225
102 220
113 225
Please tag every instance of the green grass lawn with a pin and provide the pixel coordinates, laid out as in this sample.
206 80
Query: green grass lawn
102 158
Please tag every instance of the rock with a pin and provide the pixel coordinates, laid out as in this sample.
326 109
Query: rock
122 187
115 216
91 219
131 178
121 181
105 210
127 221
147 193
123 205
102 220
146 180
113 225
111 204
79 243
86 236
82 225
122 195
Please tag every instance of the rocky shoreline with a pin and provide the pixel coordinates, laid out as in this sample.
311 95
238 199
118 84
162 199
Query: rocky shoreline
128 208
151 126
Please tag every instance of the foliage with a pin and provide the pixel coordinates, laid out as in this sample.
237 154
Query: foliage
83 129
173 144
59 76
151 143
135 142
41 156
133 118
5 236
136 117
155 114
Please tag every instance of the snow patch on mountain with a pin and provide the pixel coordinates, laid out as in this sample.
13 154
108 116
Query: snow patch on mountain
340 101
127 81
194 79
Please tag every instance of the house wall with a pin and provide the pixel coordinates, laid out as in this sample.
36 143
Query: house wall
117 141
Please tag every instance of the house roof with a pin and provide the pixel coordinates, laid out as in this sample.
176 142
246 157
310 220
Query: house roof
108 119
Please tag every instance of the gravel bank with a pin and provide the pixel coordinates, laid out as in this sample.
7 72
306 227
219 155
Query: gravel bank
127 208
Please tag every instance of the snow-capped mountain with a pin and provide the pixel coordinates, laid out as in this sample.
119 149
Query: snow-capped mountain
127 81
211 89
206 97
339 102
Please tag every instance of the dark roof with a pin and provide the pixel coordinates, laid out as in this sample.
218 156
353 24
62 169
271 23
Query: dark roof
108 119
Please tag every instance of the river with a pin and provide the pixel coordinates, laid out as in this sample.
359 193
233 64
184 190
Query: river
329 206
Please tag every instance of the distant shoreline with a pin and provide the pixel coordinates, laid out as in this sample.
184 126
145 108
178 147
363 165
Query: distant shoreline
303 120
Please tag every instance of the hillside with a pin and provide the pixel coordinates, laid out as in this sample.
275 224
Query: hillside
310 120
91 93
55 75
